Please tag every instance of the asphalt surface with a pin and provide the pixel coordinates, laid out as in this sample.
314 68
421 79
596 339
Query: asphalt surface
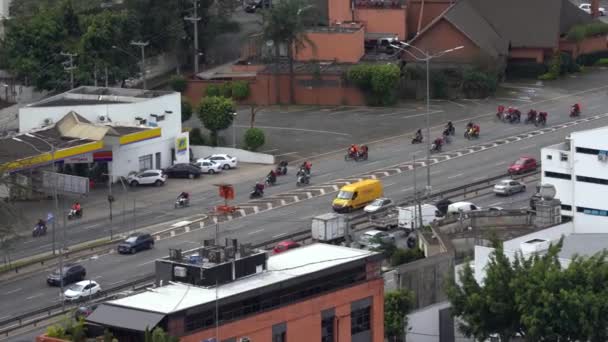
31 292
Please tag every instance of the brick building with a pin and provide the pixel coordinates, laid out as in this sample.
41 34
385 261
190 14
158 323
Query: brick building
313 293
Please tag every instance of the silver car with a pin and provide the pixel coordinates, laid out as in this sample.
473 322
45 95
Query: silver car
508 187
373 238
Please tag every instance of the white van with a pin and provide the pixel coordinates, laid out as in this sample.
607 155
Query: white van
465 207
408 216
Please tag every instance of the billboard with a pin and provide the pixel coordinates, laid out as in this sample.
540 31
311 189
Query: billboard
86 158
182 145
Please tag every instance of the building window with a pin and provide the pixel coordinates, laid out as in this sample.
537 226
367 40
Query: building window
587 150
145 162
591 211
592 180
563 157
360 320
327 325
279 332
549 157
157 156
558 175
566 207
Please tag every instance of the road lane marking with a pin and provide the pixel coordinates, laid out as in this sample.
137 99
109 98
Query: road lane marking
478 178
399 112
255 232
495 204
97 277
500 163
145 263
285 154
299 129
455 176
407 189
12 291
34 296
389 184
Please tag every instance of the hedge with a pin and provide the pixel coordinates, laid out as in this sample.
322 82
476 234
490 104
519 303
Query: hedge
526 69
589 59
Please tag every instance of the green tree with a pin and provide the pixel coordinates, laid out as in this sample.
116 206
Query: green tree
240 90
397 304
286 24
186 109
216 113
158 335
254 138
378 81
178 83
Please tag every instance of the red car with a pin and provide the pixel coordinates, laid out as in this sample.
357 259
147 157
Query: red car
523 164
285 245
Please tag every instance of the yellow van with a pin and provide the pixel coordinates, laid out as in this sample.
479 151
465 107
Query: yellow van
357 195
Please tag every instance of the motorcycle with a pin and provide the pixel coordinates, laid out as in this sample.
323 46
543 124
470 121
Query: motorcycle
416 140
303 179
447 139
281 169
270 181
574 112
435 148
74 214
451 130
39 230
182 202
256 193
360 155
532 117
515 117
470 134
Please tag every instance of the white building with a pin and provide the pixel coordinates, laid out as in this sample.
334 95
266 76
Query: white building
140 149
578 168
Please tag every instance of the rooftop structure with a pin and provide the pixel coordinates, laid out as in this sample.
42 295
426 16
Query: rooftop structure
86 95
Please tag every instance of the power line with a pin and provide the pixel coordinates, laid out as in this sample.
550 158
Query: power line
142 46
70 68
194 20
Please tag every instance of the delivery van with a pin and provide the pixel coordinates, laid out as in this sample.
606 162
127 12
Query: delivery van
357 195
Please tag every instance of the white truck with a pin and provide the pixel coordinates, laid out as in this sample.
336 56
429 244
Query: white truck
409 216
328 228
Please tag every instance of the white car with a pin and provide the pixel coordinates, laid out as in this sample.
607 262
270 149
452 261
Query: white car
225 160
378 204
148 177
587 8
209 166
81 289
371 238
508 187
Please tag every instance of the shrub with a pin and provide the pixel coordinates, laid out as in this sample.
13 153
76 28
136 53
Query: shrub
213 90
196 137
602 61
477 84
378 81
526 69
240 90
360 75
254 138
226 90
186 110
547 76
589 59
178 83
439 85
216 113
579 32
403 256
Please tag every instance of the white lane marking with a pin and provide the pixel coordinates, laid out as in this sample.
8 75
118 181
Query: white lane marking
298 129
456 175
500 163
147 262
407 189
495 204
388 184
97 277
255 232
435 172
181 224
456 103
279 235
418 115
285 154
376 162
116 282
399 112
272 150
34 296
12 291
478 178
3 317
513 99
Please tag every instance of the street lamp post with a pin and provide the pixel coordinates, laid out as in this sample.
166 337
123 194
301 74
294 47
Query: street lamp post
234 129
427 59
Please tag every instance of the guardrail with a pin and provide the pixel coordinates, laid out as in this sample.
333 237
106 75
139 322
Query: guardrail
39 315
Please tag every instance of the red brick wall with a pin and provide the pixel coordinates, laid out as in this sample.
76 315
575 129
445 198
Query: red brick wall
591 44
304 319
44 338
537 54
432 9
443 35
383 20
343 47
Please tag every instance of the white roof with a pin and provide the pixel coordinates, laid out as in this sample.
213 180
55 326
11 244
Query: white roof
283 266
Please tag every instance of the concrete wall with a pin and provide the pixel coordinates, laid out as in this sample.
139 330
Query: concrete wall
383 20
342 47
243 156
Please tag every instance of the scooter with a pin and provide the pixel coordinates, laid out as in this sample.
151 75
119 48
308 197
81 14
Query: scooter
281 169
39 230
303 179
75 214
182 202
269 181
574 112
435 148
256 193
417 140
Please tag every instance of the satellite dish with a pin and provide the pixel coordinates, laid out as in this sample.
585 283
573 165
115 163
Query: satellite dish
547 192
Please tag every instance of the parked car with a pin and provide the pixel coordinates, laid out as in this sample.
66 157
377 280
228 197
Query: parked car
84 311
285 245
135 243
464 207
508 187
183 170
82 289
522 165
372 238
254 5
209 166
148 177
378 204
587 8
226 161
71 273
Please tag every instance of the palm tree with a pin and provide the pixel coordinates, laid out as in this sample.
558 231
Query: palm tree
286 23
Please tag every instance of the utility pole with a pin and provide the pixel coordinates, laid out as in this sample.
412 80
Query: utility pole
142 46
194 20
71 68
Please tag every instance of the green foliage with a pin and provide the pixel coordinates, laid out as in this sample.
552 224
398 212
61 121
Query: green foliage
439 85
378 81
403 256
216 113
178 83
549 76
213 90
186 109
477 84
576 33
555 68
579 32
254 138
602 62
589 59
397 304
56 331
240 90
68 330
226 90
158 335
196 137
108 336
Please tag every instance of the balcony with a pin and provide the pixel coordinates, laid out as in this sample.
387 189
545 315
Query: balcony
380 4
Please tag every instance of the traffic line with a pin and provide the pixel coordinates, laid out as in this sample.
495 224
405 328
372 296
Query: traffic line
455 176
34 296
12 291
146 263
255 232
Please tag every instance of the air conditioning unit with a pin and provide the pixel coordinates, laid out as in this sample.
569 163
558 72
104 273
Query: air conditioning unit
47 122
180 271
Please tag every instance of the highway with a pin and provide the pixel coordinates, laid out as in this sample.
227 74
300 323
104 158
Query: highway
111 269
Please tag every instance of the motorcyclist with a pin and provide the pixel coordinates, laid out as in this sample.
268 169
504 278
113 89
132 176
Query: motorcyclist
476 129
542 117
576 109
438 143
76 208
307 166
183 195
41 224
532 115
450 127
259 189
353 150
418 136
446 135
500 111
272 177
282 167
304 174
